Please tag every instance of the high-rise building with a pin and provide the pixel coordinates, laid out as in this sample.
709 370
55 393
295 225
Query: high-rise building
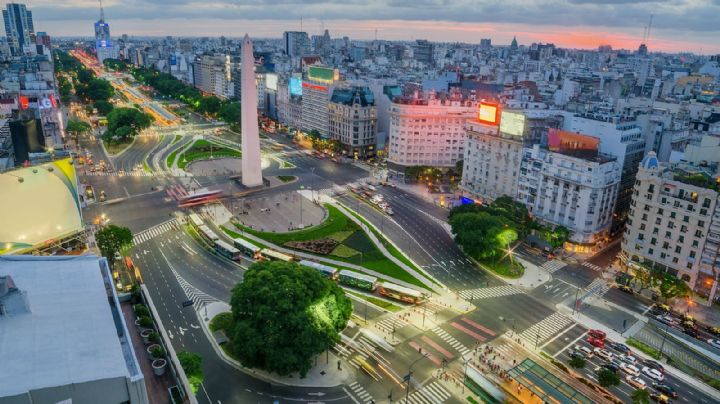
316 90
212 74
43 38
104 47
674 223
19 28
423 51
353 121
296 43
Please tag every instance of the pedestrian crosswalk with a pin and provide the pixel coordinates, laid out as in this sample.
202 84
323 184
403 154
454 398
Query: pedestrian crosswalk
431 393
391 324
545 329
154 231
177 192
451 341
121 174
553 265
592 266
597 287
486 293
359 392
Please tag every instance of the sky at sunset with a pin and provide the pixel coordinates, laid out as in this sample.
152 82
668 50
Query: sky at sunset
678 25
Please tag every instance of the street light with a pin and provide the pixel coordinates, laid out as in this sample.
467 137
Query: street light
409 374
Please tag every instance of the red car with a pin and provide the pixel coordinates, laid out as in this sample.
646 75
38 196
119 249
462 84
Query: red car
597 334
596 342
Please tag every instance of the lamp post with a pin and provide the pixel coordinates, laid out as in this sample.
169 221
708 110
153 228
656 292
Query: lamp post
408 376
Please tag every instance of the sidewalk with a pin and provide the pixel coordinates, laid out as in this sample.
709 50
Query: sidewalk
533 276
327 371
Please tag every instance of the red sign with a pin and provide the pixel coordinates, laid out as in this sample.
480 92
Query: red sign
314 86
24 103
52 101
489 113
560 140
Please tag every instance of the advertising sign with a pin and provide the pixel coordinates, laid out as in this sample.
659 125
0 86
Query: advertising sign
512 123
321 74
563 141
295 86
271 81
489 113
24 102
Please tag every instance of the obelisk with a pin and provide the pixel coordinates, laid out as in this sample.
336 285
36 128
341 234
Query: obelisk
250 136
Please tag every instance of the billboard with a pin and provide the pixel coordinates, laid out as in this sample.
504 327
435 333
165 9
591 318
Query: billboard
321 74
295 86
570 142
271 81
489 113
512 123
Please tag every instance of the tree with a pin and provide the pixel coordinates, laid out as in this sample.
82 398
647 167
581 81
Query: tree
230 113
607 378
99 89
577 362
77 127
284 315
124 123
103 107
192 365
671 286
209 105
480 234
640 396
111 240
557 236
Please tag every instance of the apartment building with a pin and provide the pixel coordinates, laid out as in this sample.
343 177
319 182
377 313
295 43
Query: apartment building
316 91
353 121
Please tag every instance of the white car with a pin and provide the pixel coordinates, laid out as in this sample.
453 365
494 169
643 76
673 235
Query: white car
585 351
653 373
636 382
714 342
630 369
629 359
604 354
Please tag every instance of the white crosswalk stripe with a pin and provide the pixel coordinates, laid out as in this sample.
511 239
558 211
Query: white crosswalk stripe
486 293
360 392
430 393
153 232
592 266
553 265
545 329
598 287
451 341
123 174
391 323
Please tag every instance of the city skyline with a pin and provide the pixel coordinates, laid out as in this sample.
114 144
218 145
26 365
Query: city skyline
677 26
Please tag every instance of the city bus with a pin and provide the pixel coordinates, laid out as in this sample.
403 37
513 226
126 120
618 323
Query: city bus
273 255
199 198
356 280
227 251
400 293
330 272
195 220
208 234
247 248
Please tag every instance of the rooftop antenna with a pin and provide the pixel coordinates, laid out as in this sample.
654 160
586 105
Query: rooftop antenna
375 34
102 11
649 29
301 24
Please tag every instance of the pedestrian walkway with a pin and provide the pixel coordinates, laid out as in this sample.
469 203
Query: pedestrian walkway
553 265
154 231
121 174
359 392
598 287
487 293
592 266
177 192
431 393
392 324
545 329
451 341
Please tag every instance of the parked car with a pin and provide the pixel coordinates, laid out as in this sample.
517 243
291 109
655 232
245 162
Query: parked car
654 365
665 389
665 319
714 331
626 289
622 348
103 197
629 358
659 398
596 342
653 373
629 369
714 342
599 334
636 382
605 354
585 351
610 366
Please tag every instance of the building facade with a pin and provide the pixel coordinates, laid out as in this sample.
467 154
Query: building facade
212 75
353 121
674 223
296 43
19 28
317 88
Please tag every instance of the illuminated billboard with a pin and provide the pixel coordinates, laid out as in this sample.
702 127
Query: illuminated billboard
512 123
295 86
489 113
322 74
574 143
271 81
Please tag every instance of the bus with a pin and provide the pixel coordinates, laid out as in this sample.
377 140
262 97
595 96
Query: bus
330 272
400 293
227 251
247 248
356 280
195 220
208 234
275 255
199 198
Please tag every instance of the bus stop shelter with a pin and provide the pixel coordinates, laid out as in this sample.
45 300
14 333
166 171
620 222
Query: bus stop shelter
545 385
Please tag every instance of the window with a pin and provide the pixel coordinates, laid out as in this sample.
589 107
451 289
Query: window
651 251
692 254
660 211
671 225
641 236
689 265
686 219
653 241
675 260
663 255
701 223
642 225
657 220
644 216
695 243
678 249
672 215
706 203
665 245
668 234
683 229
681 239
698 233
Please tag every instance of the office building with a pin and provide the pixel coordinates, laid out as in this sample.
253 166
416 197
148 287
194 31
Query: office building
297 44
212 74
64 337
316 91
104 47
19 28
423 52
674 223
353 121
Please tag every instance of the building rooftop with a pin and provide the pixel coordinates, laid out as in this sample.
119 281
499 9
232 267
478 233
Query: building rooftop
70 333
353 95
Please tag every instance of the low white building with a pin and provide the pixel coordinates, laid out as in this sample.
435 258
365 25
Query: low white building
571 190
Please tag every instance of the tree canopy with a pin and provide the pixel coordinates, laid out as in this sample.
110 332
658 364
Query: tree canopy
607 378
192 365
77 127
285 314
103 107
640 396
112 239
481 234
125 123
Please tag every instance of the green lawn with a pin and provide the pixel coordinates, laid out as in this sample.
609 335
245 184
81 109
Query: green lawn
176 139
377 302
504 267
171 158
641 346
286 178
198 152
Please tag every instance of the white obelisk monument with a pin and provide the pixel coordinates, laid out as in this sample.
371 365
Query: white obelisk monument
250 136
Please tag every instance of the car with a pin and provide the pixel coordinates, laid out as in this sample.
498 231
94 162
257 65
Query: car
596 342
626 289
604 354
610 366
576 354
622 348
103 197
92 169
665 319
665 389
714 342
659 398
585 351
663 308
654 365
653 373
630 369
636 382
599 334
629 358
714 331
